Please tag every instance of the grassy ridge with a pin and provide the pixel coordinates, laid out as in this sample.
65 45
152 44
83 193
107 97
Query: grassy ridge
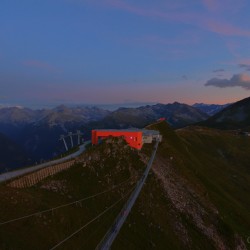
44 231
200 181
222 166
216 163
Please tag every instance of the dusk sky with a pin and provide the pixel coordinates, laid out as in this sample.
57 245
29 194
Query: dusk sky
121 51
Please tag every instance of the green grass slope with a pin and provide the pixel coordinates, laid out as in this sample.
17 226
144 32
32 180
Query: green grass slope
235 116
213 168
195 197
99 169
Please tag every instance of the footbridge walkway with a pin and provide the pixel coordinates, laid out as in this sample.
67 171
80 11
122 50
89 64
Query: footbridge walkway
13 174
110 236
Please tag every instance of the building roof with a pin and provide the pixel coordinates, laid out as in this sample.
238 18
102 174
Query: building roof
144 131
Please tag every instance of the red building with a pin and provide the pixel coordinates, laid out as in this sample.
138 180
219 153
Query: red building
132 137
161 119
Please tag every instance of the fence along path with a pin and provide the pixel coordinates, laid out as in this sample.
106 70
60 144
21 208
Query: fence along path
35 177
21 172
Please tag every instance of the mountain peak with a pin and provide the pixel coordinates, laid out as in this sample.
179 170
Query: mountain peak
234 116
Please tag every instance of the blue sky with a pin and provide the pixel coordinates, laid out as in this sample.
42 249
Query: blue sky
115 51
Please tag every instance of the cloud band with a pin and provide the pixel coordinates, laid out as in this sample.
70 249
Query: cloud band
238 80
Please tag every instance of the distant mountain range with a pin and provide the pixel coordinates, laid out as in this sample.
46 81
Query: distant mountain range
60 115
177 115
235 116
210 109
37 132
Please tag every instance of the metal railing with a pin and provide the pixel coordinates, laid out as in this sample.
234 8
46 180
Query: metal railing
110 236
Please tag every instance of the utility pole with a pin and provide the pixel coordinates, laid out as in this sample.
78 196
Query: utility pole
78 132
62 137
70 135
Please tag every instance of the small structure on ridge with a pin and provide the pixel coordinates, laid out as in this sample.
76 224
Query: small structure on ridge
134 137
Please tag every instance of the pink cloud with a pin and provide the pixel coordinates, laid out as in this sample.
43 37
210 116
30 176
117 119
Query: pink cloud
244 61
181 40
233 48
225 28
204 21
119 4
224 5
39 65
122 5
212 5
237 62
186 38
237 80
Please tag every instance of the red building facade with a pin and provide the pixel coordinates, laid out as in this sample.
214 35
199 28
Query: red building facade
133 138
